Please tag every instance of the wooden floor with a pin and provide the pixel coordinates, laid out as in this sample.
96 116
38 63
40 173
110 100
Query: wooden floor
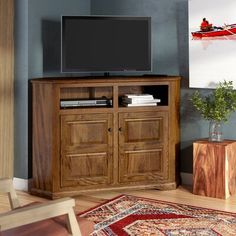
181 195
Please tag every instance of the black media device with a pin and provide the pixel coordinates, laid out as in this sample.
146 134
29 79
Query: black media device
85 103
106 44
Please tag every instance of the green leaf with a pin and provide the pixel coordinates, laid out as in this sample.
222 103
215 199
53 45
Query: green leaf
219 104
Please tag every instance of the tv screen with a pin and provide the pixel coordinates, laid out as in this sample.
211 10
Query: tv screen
106 44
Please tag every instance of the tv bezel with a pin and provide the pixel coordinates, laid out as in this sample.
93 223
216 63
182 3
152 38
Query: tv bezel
147 18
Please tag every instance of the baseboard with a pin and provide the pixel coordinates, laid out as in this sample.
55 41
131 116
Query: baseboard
186 178
21 184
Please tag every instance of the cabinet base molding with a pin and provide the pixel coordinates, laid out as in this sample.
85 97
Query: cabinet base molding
67 193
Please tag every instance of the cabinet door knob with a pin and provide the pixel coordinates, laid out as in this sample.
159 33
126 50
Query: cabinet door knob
109 129
120 128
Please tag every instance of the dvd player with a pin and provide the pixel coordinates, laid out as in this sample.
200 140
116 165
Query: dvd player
86 103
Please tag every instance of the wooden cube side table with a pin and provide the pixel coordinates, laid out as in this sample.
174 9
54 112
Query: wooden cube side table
214 168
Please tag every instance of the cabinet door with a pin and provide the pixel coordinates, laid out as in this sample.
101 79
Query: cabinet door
86 150
143 146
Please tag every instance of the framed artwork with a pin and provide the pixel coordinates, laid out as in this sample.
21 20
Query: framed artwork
212 42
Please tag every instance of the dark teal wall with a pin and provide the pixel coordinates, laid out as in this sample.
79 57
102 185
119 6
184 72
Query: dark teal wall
170 56
37 54
44 24
21 89
168 18
37 46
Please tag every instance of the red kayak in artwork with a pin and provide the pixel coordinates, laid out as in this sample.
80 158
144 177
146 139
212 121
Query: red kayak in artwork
227 30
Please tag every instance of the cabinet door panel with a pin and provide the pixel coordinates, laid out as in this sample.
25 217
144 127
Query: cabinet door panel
83 132
85 169
86 151
143 129
143 146
89 131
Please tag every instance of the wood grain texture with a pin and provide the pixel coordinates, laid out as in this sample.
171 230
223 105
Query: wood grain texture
43 137
6 88
143 145
20 216
214 172
78 150
86 150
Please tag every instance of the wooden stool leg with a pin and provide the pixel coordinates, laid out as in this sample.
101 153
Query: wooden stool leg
72 224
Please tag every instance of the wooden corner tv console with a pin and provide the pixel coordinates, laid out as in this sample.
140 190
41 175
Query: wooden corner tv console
94 148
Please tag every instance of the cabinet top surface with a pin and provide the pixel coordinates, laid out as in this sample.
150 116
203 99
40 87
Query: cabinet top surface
108 80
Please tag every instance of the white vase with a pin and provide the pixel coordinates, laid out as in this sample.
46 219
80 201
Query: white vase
215 131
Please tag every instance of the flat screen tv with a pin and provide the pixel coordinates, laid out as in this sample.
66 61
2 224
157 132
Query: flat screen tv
106 44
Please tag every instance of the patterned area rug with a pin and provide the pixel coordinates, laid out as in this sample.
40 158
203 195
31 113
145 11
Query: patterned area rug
130 215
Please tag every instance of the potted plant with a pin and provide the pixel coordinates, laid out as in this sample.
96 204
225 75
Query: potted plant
216 107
